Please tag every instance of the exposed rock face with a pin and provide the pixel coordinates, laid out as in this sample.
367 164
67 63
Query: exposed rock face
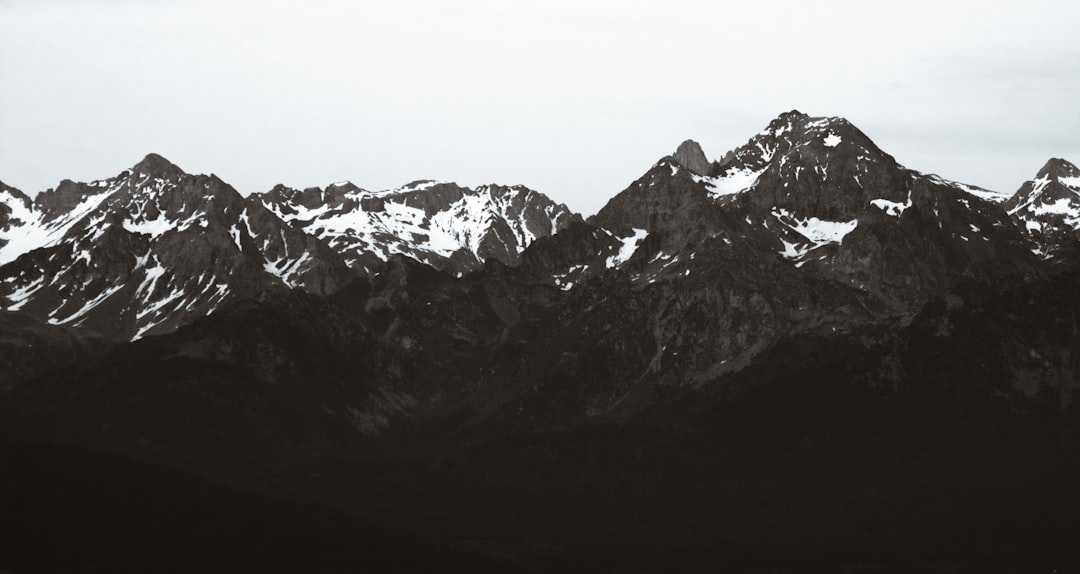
690 156
154 164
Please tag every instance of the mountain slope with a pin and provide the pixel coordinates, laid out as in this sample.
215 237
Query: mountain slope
153 248
442 224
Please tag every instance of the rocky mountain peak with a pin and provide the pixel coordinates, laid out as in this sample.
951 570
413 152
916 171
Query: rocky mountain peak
690 156
14 192
785 121
11 199
15 211
344 187
812 166
62 199
1048 207
795 126
1057 168
154 164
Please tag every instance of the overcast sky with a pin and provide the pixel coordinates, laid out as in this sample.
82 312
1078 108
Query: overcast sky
573 98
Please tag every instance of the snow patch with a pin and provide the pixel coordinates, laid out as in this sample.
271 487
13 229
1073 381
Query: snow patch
832 140
822 231
793 250
731 183
86 308
983 194
152 227
1063 206
416 186
629 246
818 231
893 208
23 294
34 231
153 310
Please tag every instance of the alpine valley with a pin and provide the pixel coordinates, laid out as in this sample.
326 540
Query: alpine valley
801 357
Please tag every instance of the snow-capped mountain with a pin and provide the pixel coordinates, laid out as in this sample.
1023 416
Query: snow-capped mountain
820 194
447 226
150 249
1048 207
154 247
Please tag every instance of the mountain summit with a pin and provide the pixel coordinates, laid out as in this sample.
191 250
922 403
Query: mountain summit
690 156
1057 168
818 192
154 164
1048 207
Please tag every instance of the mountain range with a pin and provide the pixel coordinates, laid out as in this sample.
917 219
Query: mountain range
803 346
154 248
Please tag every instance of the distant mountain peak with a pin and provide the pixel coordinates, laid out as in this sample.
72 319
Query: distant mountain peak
1048 207
690 156
800 123
421 185
1056 168
154 164
344 184
15 193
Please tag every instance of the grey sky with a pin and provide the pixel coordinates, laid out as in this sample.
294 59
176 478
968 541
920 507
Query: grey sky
575 99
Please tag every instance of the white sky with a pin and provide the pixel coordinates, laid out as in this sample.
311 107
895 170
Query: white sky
575 99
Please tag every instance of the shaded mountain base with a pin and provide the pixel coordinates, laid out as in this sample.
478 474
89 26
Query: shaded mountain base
737 493
801 474
70 510
796 495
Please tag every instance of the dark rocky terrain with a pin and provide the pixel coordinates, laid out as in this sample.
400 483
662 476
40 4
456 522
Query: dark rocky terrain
802 357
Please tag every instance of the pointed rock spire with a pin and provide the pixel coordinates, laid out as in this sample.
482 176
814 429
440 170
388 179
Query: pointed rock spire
690 156
154 164
1057 168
